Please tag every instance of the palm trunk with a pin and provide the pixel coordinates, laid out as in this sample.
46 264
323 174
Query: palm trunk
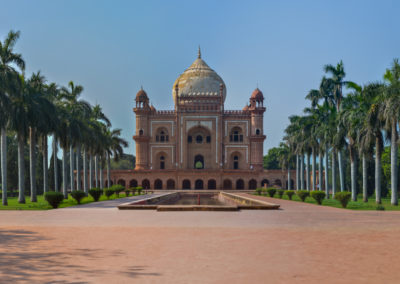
393 163
21 169
320 170
333 173
90 171
71 168
108 170
101 174
353 173
364 178
4 165
85 185
378 171
302 171
289 187
297 172
32 163
45 165
64 173
326 171
308 171
314 168
55 150
341 170
78 167
96 172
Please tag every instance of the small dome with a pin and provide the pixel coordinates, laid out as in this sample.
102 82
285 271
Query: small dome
257 94
199 79
141 96
152 108
246 107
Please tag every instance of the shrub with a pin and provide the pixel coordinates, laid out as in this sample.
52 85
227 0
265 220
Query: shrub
127 191
117 188
108 192
259 190
78 195
343 197
271 191
280 192
380 208
95 193
303 194
139 189
54 198
133 190
289 193
318 195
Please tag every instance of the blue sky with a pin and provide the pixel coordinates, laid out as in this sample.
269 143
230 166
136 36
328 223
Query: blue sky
114 47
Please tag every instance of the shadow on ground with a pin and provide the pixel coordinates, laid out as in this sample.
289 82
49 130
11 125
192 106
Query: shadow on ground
24 260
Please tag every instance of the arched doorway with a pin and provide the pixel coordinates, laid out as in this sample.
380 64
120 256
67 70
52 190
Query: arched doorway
212 184
133 183
170 184
278 183
199 184
158 184
227 184
264 182
239 184
252 184
186 184
199 162
120 181
146 184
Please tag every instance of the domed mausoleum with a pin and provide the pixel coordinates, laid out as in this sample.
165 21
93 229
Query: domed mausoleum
199 144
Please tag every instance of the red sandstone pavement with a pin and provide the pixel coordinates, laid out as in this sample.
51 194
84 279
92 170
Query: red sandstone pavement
302 243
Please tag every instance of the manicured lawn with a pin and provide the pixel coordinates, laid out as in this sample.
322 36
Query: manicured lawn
42 204
354 205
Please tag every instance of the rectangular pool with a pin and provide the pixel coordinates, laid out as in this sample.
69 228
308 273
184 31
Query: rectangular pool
207 201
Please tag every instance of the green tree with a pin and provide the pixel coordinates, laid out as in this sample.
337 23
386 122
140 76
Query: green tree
8 82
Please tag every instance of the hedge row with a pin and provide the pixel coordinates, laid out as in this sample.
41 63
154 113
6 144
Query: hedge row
55 198
317 195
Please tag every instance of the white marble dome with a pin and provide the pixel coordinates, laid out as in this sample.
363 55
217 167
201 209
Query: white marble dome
199 79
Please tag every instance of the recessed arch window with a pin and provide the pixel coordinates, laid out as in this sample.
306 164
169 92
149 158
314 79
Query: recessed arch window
199 139
258 132
189 140
236 162
236 135
162 136
141 132
162 162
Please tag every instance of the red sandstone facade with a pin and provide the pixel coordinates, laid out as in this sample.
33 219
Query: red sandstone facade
199 144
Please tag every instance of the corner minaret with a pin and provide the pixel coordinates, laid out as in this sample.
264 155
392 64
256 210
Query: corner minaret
257 137
142 135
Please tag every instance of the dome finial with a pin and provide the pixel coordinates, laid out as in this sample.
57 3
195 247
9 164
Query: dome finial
199 53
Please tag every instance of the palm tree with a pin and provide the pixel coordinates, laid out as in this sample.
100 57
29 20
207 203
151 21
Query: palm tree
53 95
285 158
366 140
351 119
323 122
390 114
41 116
337 82
79 111
8 82
371 133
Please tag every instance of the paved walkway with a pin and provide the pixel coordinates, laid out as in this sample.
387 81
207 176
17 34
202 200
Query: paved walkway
301 243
